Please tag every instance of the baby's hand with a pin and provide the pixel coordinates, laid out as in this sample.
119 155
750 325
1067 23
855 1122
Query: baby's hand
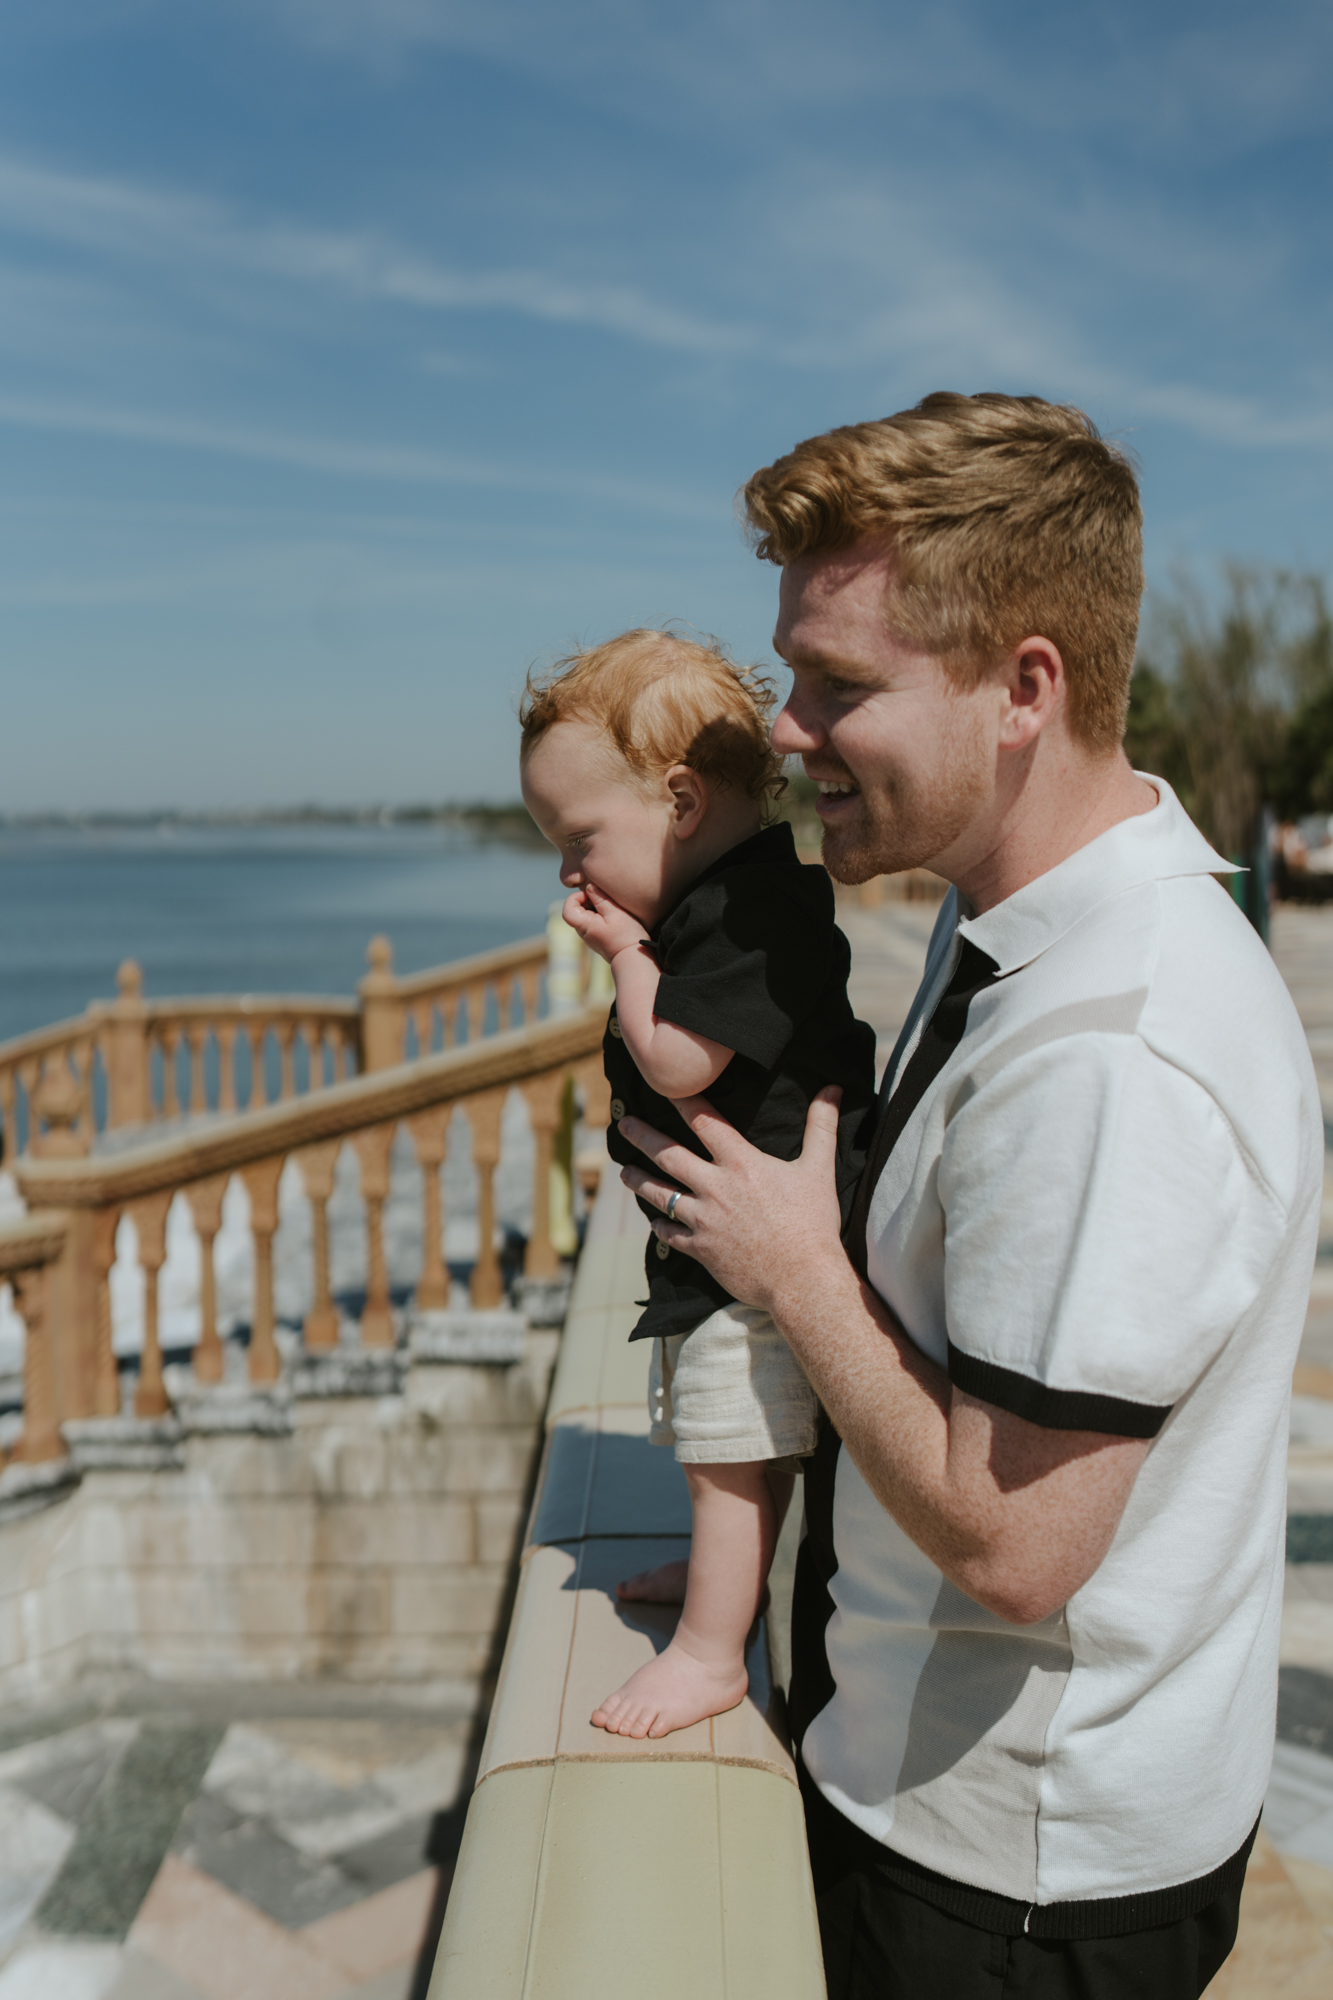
604 927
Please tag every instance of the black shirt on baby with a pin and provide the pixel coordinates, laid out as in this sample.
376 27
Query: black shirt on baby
752 958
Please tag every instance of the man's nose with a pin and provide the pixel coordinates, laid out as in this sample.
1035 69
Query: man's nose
796 732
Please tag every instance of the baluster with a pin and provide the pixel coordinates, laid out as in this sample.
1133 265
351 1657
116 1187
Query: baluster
106 1376
205 1199
423 1021
314 1042
448 1004
254 1040
41 1439
373 1150
319 1168
9 1113
286 1034
261 1181
504 1003
171 1041
84 1127
347 1047
150 1223
543 1094
592 1163
195 1038
28 1073
484 1114
430 1136
225 1032
530 987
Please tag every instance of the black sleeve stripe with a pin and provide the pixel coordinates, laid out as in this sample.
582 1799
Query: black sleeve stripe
1053 1409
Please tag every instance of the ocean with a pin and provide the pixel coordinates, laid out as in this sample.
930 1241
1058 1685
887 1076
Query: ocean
247 909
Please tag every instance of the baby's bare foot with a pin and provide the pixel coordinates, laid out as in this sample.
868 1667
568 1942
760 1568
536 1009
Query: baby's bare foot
663 1585
671 1692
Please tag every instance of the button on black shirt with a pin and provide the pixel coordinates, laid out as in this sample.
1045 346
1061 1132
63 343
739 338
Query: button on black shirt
751 957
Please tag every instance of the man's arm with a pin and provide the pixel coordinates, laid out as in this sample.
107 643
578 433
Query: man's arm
1016 1515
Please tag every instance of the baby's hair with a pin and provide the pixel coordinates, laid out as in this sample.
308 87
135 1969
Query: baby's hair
664 700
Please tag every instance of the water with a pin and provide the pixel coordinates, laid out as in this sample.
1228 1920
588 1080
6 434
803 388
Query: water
255 909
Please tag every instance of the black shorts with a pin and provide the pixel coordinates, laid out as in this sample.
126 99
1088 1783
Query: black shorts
885 1940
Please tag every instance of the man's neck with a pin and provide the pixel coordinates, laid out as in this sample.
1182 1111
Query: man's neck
1057 807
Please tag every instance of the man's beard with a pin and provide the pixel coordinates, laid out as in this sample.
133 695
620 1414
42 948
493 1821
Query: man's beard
907 824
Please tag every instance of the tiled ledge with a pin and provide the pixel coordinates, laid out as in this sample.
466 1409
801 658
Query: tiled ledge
594 1865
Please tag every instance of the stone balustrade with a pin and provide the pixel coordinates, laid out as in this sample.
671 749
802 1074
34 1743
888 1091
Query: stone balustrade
594 1865
76 1202
134 1061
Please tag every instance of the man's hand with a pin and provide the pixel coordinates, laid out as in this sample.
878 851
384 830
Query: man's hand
763 1227
604 927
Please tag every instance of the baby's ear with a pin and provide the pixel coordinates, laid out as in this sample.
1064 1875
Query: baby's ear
689 797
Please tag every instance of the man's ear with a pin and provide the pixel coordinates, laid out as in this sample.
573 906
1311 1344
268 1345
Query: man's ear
689 800
1035 682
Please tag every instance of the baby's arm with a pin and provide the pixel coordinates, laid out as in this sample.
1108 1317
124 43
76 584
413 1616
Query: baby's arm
671 1060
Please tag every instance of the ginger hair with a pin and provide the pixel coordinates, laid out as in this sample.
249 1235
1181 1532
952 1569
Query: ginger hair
664 700
1007 517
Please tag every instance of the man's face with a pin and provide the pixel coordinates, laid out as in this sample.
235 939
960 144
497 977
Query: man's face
905 760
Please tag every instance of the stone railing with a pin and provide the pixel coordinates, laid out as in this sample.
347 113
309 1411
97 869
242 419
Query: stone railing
133 1061
60 1256
594 1863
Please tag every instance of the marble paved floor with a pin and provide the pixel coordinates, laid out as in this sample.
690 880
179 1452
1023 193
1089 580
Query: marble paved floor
206 1850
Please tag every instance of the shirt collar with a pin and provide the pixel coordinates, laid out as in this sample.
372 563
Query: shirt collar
1152 847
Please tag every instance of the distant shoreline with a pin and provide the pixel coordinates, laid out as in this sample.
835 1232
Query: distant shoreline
509 823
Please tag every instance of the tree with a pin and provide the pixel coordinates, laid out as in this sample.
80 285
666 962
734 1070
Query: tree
1232 702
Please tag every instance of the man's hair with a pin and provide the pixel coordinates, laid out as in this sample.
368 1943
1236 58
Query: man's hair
663 700
1007 517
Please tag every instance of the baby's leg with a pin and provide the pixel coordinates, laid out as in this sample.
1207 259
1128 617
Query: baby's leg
702 1671
666 1583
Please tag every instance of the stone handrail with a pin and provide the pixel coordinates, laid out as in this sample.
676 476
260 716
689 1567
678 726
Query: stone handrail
592 1864
162 1059
457 997
90 1194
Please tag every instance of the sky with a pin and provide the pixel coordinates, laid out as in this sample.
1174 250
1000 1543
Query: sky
356 355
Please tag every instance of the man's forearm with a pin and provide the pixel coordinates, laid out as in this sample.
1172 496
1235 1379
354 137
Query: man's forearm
1016 1516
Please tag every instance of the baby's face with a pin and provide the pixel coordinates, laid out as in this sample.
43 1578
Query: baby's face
608 827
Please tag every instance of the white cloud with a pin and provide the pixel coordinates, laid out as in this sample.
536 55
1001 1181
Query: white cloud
343 459
121 220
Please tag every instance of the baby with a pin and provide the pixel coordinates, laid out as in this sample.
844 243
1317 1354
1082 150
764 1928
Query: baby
646 762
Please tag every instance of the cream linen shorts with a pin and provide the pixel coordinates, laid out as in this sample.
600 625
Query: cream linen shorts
731 1392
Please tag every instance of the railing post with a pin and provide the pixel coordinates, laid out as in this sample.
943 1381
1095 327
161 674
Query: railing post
319 1170
373 1150
550 1199
41 1439
150 1223
484 1114
592 1163
205 1199
127 1046
381 1009
106 1376
430 1136
261 1182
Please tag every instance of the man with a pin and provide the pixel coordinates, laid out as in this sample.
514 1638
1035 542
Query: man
1036 1623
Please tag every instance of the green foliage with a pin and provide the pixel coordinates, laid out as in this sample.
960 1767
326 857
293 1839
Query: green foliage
1233 703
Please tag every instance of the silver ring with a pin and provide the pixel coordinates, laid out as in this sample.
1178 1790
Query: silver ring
671 1206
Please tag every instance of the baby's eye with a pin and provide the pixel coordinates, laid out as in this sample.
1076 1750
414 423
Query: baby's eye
578 840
